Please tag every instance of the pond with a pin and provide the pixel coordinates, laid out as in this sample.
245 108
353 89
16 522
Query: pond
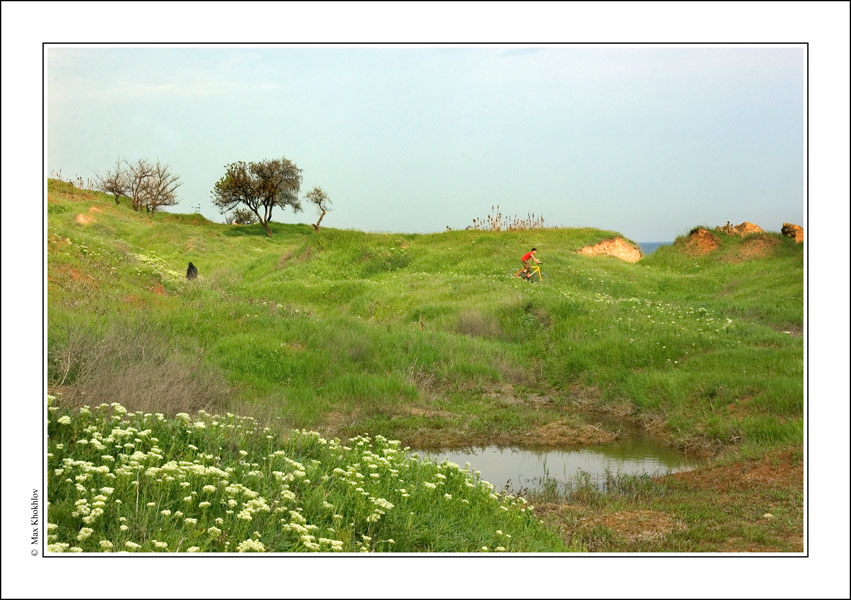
527 468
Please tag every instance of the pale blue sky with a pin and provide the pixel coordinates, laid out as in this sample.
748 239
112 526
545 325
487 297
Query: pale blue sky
647 141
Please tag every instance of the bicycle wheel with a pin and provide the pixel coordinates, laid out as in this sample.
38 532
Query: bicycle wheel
540 278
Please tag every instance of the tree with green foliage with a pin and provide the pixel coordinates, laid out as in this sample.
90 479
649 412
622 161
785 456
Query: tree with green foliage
318 196
260 187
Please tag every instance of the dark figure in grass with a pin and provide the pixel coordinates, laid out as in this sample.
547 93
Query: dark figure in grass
524 260
191 272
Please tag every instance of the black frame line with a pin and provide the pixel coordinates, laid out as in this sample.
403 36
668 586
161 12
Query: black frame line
43 406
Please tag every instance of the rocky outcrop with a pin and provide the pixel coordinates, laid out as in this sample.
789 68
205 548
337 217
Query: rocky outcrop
793 231
617 247
740 230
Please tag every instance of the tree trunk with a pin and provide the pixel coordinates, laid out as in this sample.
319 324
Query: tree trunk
266 227
316 225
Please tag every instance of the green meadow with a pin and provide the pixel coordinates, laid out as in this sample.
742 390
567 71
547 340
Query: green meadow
425 340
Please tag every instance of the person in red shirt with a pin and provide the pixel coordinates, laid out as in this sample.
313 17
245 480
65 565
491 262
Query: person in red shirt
524 260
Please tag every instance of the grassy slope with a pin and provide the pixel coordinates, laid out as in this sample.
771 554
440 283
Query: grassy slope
366 326
425 338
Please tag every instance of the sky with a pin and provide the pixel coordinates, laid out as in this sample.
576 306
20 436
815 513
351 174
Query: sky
648 141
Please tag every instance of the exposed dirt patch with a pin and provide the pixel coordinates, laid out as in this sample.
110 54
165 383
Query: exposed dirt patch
617 247
70 273
82 219
95 209
637 525
158 289
700 243
755 247
780 470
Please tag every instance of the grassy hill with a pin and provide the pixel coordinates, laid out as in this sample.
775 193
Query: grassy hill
425 338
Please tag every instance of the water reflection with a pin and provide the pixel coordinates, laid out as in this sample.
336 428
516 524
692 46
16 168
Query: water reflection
522 468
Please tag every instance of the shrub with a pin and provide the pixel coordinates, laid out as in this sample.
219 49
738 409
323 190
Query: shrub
132 363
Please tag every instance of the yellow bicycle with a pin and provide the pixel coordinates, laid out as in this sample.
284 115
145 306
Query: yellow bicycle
533 275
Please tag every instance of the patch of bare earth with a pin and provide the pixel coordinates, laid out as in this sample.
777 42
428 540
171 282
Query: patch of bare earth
72 274
755 247
700 243
637 525
781 470
82 219
617 247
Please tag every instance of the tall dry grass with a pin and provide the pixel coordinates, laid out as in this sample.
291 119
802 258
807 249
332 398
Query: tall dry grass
496 221
130 363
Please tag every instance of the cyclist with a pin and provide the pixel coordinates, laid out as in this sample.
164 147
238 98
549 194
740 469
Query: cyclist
524 260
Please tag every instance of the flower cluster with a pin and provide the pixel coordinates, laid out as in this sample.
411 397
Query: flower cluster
115 476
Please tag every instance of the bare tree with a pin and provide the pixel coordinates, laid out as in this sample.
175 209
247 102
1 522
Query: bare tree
159 189
114 182
151 185
318 196
138 174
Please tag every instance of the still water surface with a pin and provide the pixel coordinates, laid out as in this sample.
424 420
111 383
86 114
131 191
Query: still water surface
523 468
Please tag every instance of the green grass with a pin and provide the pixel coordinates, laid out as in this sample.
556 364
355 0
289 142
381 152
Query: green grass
347 332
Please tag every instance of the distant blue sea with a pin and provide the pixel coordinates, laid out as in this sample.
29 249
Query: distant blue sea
650 247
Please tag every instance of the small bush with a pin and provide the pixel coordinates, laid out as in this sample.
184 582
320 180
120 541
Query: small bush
241 216
130 363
